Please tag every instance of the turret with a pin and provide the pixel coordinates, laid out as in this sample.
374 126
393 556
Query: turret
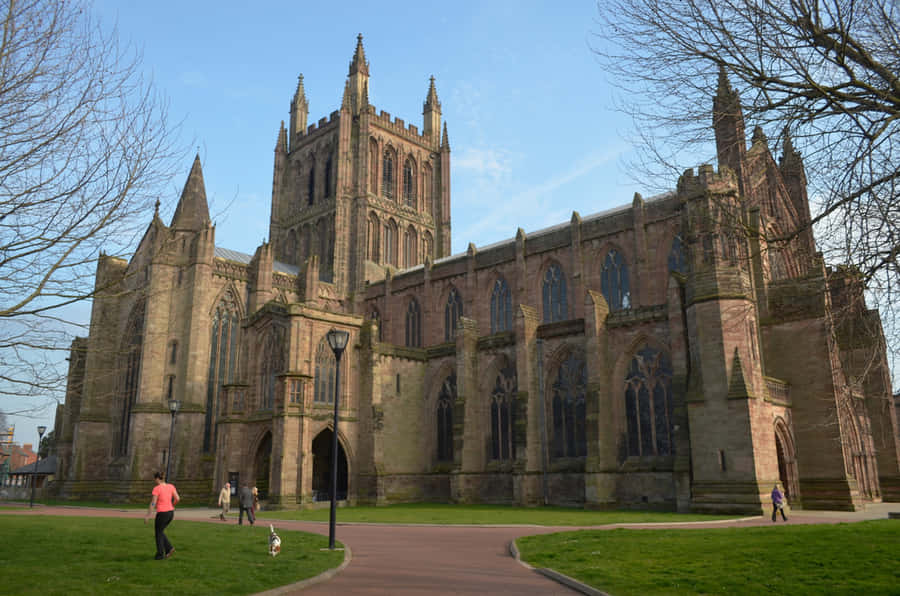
192 212
299 111
432 112
359 77
728 123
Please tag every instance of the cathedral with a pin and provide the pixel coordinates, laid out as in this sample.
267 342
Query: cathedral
684 351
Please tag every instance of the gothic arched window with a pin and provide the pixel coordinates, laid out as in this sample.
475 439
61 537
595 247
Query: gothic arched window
452 312
323 389
568 403
372 228
373 166
409 183
311 185
323 230
446 399
387 175
614 281
390 243
648 403
501 308
328 166
554 292
130 367
410 250
223 353
428 185
502 413
271 365
413 324
677 258
290 248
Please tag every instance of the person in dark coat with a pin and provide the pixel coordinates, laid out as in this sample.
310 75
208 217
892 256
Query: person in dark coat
245 498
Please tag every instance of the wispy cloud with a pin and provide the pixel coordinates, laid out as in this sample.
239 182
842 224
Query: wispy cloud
538 201
493 164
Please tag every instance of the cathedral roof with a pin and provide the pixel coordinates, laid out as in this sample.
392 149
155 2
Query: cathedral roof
244 259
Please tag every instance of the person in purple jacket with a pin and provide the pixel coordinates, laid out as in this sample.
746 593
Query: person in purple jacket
778 503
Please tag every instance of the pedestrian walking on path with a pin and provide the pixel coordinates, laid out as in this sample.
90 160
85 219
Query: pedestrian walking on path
225 500
778 503
165 497
245 500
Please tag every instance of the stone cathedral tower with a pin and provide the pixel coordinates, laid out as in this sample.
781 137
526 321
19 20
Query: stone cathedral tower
358 190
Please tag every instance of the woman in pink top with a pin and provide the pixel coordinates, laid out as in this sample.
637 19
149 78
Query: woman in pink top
165 497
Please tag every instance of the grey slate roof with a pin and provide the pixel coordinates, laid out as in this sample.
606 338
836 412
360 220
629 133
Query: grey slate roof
244 259
45 467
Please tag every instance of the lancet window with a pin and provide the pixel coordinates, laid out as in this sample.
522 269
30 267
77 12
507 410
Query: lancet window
502 414
568 404
222 362
501 307
452 312
648 403
554 295
614 281
445 401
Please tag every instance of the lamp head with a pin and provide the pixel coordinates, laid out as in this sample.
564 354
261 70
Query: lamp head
174 405
337 340
41 430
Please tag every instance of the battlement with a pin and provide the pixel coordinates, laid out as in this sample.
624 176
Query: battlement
399 127
707 180
322 124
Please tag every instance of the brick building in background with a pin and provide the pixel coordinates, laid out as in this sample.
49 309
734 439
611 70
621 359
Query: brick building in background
663 354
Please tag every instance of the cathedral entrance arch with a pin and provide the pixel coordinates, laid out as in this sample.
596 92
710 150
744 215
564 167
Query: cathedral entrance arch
321 451
787 461
262 461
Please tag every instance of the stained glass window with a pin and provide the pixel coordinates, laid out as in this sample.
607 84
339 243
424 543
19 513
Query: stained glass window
614 281
554 294
452 312
568 403
502 414
648 403
501 307
446 399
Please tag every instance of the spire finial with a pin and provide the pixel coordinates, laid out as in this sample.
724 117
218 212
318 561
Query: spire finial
156 209
445 140
431 100
359 63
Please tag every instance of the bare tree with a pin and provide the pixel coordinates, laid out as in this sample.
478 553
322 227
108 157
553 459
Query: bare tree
821 75
84 146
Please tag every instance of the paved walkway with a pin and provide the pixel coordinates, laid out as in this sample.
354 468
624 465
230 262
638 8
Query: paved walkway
391 559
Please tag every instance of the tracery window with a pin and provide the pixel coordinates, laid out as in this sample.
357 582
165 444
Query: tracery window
446 399
648 403
222 362
502 414
428 185
452 312
311 185
410 243
328 166
373 166
272 364
130 367
568 403
387 175
677 258
390 243
409 183
554 293
501 308
372 228
614 281
324 377
413 324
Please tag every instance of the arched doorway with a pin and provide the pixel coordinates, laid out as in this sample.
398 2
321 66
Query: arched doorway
787 462
321 485
262 462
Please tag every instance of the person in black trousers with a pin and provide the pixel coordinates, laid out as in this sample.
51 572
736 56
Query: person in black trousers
245 498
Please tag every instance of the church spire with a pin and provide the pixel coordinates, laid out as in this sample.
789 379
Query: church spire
359 64
281 143
728 123
358 79
445 140
192 212
431 110
299 110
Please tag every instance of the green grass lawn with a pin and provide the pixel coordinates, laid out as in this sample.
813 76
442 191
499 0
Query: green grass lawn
70 555
436 513
859 558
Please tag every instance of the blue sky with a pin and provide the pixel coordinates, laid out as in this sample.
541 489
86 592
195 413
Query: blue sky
531 128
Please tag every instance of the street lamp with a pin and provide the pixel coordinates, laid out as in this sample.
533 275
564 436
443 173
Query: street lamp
41 430
174 404
337 340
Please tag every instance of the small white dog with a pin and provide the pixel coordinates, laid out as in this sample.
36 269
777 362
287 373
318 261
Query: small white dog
274 542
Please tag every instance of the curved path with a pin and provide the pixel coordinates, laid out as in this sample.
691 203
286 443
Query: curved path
418 559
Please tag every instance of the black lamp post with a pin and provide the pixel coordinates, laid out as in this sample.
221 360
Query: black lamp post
174 404
337 340
41 430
